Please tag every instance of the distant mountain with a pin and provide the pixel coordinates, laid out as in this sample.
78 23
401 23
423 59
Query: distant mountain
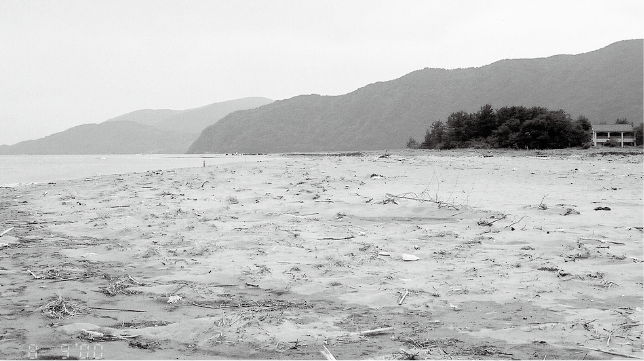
123 137
150 117
191 120
143 131
603 85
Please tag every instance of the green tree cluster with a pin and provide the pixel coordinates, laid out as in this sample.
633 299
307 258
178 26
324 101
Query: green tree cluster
639 134
508 127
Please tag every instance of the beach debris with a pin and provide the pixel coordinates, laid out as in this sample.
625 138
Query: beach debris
403 296
570 211
548 268
376 176
382 253
94 336
609 352
232 200
327 354
401 355
409 257
6 231
116 309
108 335
542 205
336 238
490 223
36 277
512 224
375 331
144 345
120 285
602 209
174 299
422 197
62 308
389 199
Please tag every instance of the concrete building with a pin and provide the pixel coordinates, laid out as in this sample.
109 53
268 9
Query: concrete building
623 133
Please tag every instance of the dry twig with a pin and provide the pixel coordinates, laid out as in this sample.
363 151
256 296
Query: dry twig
62 308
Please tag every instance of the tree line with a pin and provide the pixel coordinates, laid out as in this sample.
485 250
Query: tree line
508 127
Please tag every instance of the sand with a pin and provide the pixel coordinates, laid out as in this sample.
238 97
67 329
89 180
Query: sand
454 254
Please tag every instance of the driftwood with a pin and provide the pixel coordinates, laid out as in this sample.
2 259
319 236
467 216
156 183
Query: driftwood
610 352
36 277
327 354
115 309
6 231
600 240
440 203
402 298
375 331
512 224
488 223
336 239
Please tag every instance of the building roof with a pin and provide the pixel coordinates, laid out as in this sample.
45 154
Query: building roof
612 127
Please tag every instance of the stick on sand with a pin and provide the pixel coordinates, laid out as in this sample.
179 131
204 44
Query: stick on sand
375 331
6 231
326 353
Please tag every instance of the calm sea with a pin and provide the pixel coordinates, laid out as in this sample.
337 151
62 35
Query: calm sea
16 169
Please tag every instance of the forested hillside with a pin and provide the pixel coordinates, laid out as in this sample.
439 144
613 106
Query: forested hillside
601 85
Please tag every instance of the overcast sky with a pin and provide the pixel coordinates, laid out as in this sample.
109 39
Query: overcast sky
66 63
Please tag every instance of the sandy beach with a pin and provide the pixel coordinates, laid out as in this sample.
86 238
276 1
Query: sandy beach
376 255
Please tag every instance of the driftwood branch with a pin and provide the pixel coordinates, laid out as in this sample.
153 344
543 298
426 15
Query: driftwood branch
6 231
115 309
327 354
336 239
375 331
402 298
512 224
610 352
440 203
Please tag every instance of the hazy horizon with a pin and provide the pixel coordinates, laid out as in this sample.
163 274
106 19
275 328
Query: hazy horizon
67 63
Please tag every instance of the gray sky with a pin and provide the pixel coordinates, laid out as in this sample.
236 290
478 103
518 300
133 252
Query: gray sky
66 63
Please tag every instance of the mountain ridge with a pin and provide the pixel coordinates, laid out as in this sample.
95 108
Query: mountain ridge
603 85
141 131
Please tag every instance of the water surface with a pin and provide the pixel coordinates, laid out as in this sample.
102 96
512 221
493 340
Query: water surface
17 169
